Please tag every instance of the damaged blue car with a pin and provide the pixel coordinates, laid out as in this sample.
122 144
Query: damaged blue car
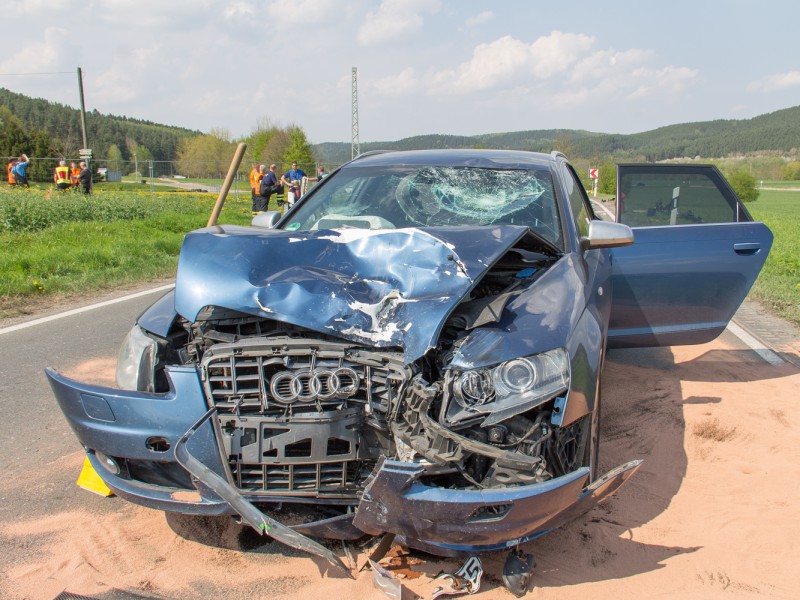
418 344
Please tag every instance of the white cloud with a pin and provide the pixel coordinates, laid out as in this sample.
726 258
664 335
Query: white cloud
405 82
238 10
605 64
479 19
126 79
38 56
31 7
299 12
394 19
558 51
509 60
776 82
669 80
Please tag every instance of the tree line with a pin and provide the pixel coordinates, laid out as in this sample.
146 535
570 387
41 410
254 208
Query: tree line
43 128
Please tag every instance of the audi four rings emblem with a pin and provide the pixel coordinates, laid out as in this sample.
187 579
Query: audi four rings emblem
307 386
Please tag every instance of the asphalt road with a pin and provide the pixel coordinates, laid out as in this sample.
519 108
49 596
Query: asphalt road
35 436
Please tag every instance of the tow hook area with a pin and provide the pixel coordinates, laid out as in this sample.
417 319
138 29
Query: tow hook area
249 513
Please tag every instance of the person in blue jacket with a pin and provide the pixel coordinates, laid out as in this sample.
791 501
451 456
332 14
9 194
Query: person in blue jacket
20 170
292 179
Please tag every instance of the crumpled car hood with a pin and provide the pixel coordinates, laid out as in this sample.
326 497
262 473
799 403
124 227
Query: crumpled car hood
379 288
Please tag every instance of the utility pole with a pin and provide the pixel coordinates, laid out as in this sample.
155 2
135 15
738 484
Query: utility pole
355 146
86 154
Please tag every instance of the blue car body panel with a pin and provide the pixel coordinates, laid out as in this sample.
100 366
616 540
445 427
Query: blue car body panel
681 284
382 288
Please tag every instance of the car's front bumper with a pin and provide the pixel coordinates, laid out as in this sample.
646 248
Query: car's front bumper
141 428
455 522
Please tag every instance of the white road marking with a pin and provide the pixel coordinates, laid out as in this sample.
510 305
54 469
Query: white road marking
83 309
759 348
604 209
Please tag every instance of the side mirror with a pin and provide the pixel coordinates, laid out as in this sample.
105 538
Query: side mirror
606 234
267 219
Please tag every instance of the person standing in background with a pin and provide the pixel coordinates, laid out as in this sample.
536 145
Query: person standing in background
9 171
20 170
74 175
254 178
293 179
61 176
85 178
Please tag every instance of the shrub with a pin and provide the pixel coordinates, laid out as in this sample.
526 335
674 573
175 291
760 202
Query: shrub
744 185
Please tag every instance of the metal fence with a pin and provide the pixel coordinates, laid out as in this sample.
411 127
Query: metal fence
207 176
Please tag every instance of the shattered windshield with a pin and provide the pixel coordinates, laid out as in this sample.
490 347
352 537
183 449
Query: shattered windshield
431 196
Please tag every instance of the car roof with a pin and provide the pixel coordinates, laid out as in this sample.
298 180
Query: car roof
491 159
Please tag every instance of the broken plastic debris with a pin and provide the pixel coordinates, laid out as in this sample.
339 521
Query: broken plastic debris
518 572
467 580
384 581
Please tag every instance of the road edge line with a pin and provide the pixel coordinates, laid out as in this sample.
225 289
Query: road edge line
76 311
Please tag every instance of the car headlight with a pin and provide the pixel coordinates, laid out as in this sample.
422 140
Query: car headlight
136 361
509 388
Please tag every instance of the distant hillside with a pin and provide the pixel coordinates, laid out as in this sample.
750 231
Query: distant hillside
778 131
541 140
63 125
774 132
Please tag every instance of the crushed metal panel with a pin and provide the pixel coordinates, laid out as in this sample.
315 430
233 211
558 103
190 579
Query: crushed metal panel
382 288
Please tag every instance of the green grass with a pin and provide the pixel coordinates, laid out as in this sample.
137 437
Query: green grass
71 244
778 183
778 286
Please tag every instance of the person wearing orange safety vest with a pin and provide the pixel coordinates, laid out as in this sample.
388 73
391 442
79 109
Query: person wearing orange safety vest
61 176
11 163
74 175
255 178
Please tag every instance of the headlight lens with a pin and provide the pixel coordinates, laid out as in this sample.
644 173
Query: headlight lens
136 361
511 387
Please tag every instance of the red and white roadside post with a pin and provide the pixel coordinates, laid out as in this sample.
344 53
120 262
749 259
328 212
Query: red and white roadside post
594 175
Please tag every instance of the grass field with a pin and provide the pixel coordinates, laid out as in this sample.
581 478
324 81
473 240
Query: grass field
69 244
778 286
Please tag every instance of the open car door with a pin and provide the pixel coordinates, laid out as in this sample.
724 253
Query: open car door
696 253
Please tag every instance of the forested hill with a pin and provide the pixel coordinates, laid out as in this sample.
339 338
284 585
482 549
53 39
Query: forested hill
47 128
778 131
62 125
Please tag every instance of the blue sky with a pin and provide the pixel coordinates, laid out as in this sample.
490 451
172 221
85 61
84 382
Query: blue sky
425 66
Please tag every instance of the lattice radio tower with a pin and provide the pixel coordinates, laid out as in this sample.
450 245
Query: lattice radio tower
355 146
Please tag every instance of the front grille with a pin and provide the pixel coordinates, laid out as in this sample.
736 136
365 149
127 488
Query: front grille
291 412
285 375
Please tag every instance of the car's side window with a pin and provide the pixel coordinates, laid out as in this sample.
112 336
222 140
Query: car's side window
578 200
674 195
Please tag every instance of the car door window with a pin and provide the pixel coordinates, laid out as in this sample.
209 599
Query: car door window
657 195
578 201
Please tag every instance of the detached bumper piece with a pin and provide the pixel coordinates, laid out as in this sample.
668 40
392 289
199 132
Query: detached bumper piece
462 522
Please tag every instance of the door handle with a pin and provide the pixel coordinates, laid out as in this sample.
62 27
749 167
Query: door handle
747 248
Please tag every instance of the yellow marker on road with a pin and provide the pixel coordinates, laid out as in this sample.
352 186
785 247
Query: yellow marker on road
90 480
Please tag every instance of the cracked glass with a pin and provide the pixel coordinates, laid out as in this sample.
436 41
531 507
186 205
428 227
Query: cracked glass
388 197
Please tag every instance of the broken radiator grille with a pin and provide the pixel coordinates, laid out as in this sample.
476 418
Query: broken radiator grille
334 479
291 412
287 375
